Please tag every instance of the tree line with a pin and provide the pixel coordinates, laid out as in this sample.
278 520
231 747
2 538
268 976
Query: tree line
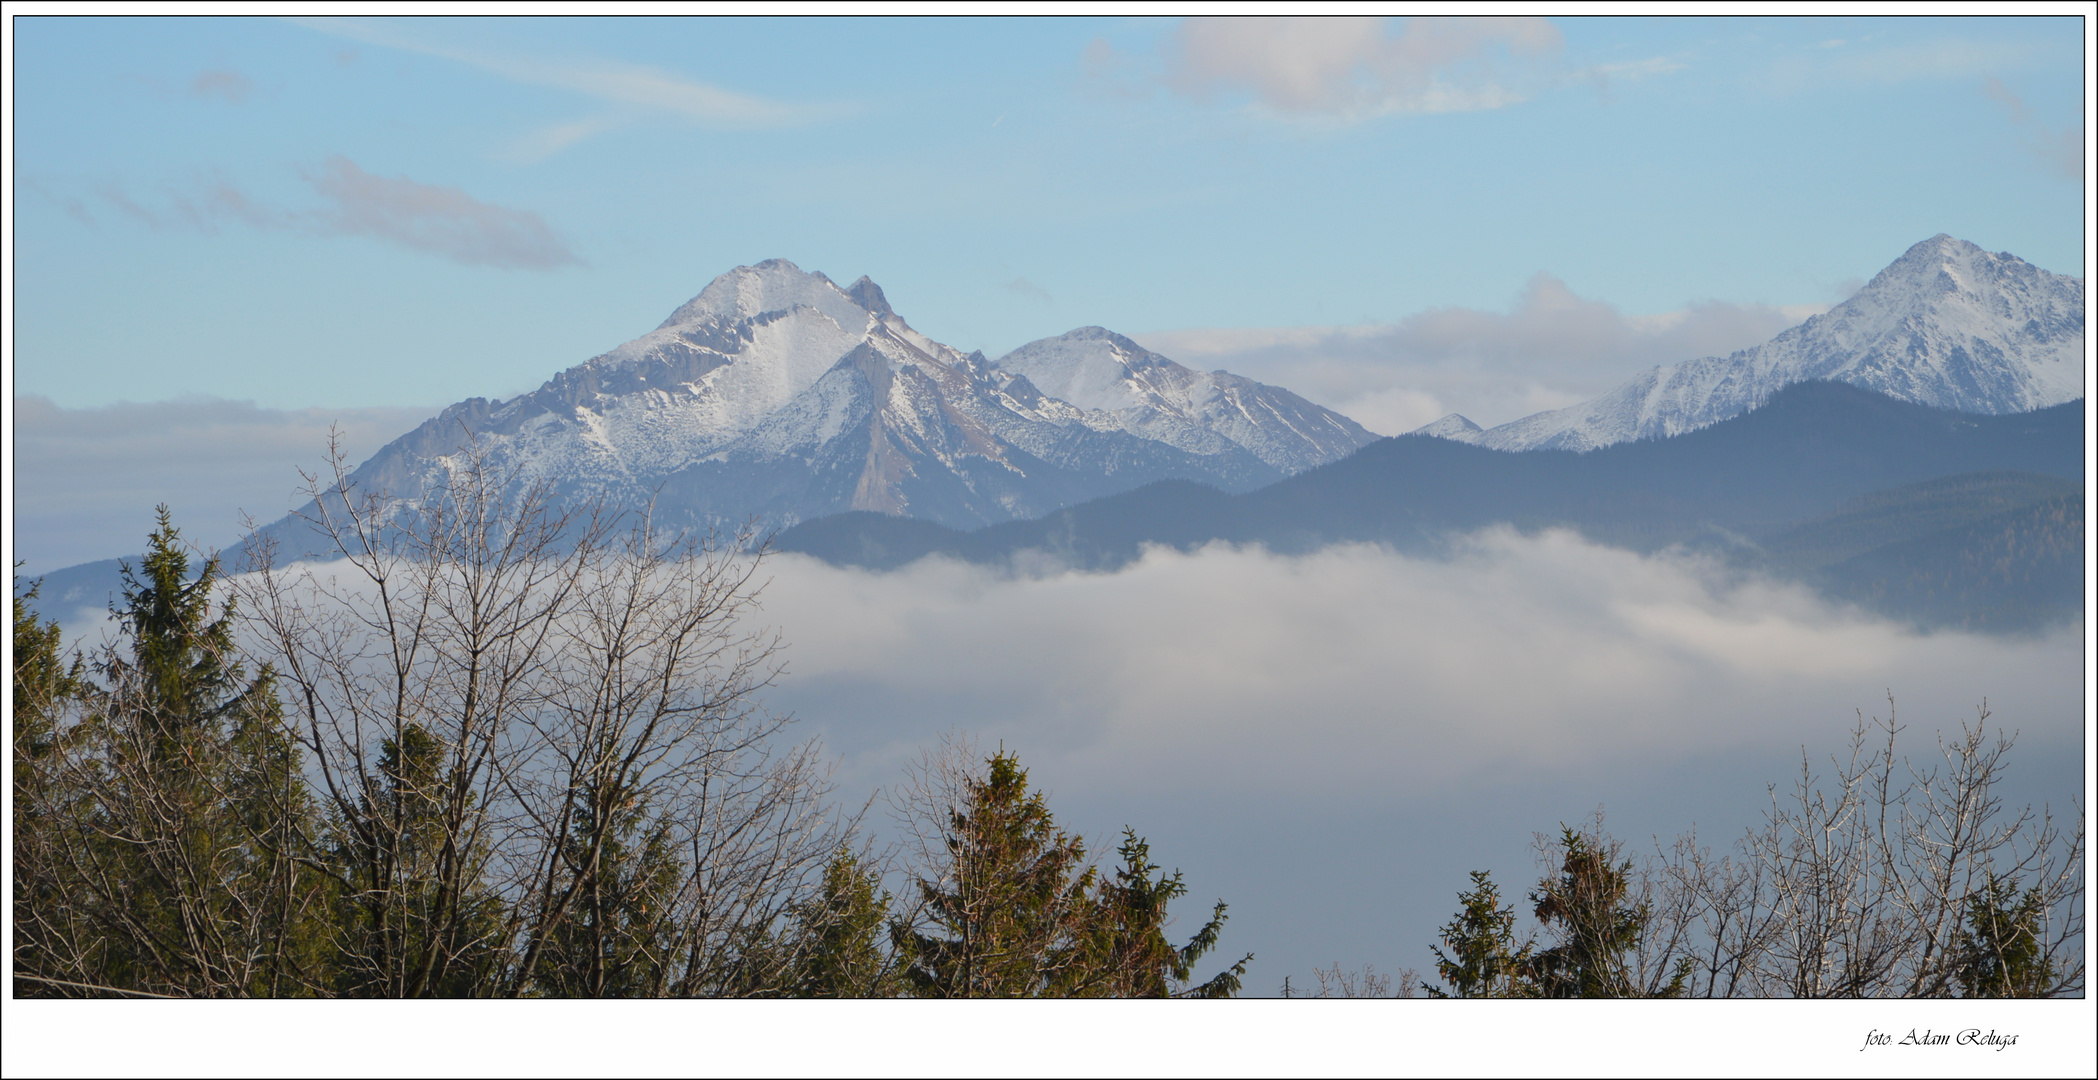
497 745
174 836
1888 877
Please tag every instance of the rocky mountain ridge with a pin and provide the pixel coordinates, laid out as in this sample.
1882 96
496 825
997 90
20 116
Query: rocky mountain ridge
776 394
1947 325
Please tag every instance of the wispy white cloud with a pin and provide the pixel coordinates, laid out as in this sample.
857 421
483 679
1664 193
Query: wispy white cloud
610 81
2061 152
1553 349
229 85
1631 71
1944 59
1351 69
1028 288
73 205
433 218
545 142
1857 62
202 206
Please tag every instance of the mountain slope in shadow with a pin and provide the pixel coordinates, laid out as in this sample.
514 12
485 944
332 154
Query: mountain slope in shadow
1757 487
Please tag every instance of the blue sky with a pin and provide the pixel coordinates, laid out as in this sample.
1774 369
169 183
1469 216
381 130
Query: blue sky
409 212
231 234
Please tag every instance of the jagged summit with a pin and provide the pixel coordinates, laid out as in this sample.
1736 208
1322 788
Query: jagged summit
1947 325
867 294
778 395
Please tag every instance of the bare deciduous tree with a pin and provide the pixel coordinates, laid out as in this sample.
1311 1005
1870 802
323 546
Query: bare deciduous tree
536 732
1367 983
1860 885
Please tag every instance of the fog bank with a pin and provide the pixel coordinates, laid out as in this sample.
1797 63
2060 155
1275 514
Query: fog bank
1329 742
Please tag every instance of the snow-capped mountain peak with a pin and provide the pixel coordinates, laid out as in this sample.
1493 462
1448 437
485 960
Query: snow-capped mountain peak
1090 367
1947 325
773 285
1095 368
777 394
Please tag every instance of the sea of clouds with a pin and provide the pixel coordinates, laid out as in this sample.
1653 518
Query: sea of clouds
1330 741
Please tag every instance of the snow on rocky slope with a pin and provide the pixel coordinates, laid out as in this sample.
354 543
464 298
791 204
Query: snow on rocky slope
777 394
1094 368
1947 325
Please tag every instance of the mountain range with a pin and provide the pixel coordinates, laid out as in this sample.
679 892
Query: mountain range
1946 325
1808 486
776 394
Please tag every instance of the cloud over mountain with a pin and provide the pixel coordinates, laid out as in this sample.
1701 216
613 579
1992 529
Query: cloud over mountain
1552 348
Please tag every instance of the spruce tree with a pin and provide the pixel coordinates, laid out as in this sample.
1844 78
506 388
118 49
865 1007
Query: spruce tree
190 849
1006 916
44 687
1588 908
613 937
43 681
1483 959
1131 956
836 940
406 932
1999 953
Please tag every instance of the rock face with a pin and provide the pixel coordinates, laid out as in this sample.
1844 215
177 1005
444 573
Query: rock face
1947 325
777 394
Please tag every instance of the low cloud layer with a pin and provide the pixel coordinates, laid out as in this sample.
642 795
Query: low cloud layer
1331 742
435 219
1355 68
1555 348
1520 656
86 480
